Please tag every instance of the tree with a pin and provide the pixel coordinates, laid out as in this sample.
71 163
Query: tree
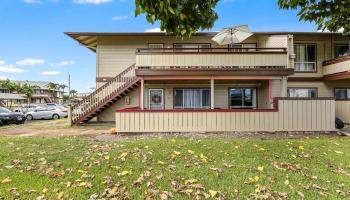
27 90
73 93
52 86
10 86
62 86
185 17
180 17
328 15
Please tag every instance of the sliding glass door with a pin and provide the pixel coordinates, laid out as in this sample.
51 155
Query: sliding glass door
191 98
242 98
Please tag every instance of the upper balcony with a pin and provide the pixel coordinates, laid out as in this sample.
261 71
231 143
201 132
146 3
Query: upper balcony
337 69
199 61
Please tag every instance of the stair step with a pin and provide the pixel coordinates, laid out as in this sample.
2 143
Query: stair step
108 101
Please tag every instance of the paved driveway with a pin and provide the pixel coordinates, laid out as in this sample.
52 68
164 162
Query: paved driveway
54 128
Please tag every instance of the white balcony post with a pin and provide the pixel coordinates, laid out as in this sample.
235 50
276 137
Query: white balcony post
212 103
142 94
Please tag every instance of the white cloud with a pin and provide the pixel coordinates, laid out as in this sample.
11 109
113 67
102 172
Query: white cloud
30 61
96 2
11 69
40 1
117 18
2 62
63 63
32 1
50 73
2 78
153 30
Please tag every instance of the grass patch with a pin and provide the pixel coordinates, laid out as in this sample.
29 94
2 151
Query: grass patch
174 168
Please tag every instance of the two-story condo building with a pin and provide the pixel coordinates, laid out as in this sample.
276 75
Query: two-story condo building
273 81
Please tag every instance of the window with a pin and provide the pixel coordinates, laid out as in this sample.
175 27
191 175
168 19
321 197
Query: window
342 94
191 99
155 45
305 60
242 98
302 92
341 50
189 47
237 47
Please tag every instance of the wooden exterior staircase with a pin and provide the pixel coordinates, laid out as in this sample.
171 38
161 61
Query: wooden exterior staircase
103 97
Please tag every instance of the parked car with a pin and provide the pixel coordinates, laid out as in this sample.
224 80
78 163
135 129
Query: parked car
61 108
9 117
25 108
45 112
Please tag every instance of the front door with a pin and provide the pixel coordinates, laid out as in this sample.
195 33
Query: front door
156 99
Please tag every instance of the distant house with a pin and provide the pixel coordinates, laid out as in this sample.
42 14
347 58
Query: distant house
42 94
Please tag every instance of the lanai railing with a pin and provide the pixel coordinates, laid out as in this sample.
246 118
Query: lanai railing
163 58
102 95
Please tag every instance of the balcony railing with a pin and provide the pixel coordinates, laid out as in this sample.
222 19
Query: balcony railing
212 58
337 65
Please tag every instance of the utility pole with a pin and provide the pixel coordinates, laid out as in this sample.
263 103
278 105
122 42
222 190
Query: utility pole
68 86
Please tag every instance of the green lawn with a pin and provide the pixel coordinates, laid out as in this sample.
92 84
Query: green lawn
179 168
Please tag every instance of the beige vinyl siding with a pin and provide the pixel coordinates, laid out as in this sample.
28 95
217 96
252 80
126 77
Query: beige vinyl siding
275 41
108 115
118 52
292 115
342 111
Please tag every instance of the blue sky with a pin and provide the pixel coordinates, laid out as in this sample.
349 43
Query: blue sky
33 46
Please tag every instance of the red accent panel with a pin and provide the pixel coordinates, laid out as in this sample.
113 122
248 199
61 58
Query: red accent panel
214 110
170 78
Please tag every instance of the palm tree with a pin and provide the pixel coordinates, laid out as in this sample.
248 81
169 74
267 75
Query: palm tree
52 86
27 90
62 86
73 93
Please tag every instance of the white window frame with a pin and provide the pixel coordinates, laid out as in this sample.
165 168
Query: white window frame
314 69
303 88
183 98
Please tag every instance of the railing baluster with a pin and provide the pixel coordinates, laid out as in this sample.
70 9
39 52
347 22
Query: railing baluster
102 94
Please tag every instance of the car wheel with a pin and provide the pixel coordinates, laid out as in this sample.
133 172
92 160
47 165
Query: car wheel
29 117
55 116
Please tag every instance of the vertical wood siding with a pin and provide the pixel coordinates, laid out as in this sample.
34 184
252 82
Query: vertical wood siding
211 60
337 67
342 110
292 115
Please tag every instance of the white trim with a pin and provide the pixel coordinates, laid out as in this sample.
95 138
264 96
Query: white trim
149 97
